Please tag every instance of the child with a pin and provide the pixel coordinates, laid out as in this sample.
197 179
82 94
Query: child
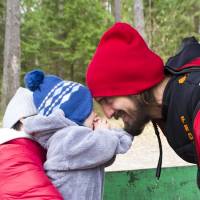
22 174
78 143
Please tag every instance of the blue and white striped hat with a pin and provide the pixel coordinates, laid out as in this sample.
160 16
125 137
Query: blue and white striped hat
51 92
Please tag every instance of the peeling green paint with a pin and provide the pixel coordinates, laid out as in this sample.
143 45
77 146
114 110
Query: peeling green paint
175 183
132 178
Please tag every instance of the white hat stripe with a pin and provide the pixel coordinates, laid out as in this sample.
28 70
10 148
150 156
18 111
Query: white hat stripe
61 84
73 88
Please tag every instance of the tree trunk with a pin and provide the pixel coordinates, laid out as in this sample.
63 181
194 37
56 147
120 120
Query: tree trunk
72 72
197 24
11 67
139 17
117 11
150 30
107 5
2 32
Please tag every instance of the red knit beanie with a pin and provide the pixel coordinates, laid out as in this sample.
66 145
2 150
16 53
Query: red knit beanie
123 64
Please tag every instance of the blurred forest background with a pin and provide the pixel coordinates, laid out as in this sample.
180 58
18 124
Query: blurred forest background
60 36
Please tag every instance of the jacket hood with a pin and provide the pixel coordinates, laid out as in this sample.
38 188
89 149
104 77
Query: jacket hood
43 127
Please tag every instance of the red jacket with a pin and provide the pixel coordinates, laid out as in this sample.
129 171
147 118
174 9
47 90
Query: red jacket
21 172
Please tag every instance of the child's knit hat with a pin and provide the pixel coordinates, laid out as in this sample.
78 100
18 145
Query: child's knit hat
51 92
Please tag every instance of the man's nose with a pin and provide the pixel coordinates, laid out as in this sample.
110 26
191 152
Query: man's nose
108 111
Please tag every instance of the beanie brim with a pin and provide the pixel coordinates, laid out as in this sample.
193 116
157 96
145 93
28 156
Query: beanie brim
120 90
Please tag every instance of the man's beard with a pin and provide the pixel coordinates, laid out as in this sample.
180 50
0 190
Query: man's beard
136 126
138 119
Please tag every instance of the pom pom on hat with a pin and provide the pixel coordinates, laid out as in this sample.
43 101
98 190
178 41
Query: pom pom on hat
33 79
123 64
51 92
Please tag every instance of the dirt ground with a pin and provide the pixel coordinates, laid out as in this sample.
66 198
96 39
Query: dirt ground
144 153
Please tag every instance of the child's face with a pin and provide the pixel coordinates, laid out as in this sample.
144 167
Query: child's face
89 122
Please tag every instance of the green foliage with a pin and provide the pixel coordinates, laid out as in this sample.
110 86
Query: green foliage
169 21
61 36
127 11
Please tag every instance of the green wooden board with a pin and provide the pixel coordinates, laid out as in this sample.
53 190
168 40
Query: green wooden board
175 183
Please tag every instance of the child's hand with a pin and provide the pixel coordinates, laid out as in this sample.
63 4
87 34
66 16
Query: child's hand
101 123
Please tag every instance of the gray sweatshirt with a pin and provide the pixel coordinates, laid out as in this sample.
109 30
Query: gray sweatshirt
76 155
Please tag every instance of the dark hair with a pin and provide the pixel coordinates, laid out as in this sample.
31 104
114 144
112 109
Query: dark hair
145 98
17 126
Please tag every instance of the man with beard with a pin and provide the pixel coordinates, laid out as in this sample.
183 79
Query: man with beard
129 81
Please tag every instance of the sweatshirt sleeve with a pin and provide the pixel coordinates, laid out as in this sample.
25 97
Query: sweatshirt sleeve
84 148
